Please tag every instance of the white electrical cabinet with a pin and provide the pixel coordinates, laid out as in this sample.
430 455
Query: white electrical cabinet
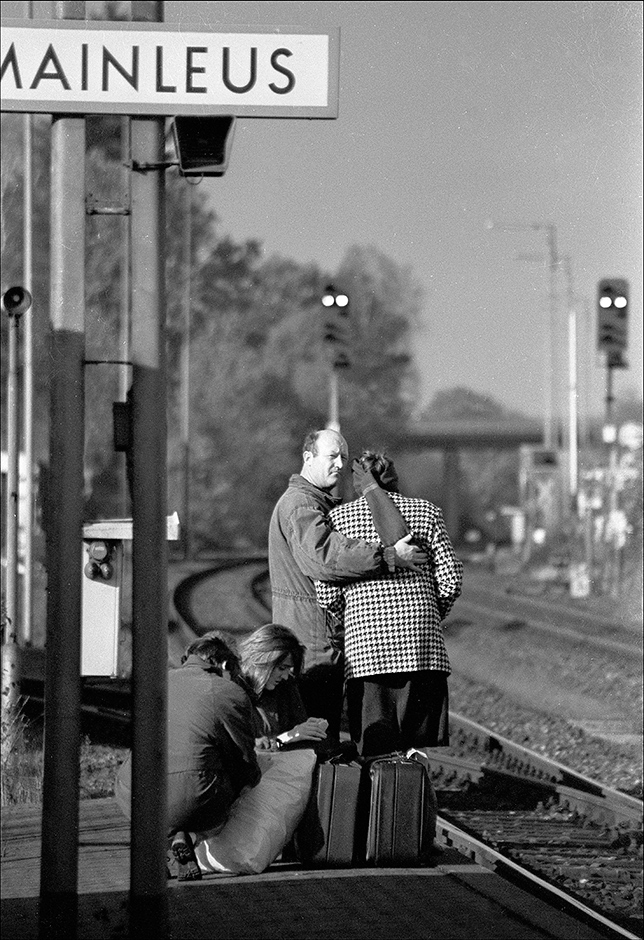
102 580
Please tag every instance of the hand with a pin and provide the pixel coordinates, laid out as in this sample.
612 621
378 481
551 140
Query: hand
361 478
409 555
313 729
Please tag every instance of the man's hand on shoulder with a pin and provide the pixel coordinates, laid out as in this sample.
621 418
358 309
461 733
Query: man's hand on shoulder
409 555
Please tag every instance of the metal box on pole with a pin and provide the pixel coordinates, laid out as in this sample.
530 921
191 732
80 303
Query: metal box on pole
102 562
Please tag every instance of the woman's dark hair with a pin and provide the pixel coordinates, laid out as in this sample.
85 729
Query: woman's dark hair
265 648
213 649
382 468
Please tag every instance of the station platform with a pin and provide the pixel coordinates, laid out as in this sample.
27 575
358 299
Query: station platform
454 899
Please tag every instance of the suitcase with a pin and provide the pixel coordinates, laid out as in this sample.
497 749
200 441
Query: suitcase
401 802
329 830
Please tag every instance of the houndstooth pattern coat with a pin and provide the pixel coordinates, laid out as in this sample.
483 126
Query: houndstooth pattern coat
393 623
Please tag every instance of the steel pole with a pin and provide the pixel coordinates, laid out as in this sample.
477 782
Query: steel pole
10 648
64 510
573 393
125 298
553 262
573 416
334 401
185 370
28 376
612 563
148 873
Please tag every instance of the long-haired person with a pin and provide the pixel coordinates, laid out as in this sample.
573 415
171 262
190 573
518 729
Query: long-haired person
271 661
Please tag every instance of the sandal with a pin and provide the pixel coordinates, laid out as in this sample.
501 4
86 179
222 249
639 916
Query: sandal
184 853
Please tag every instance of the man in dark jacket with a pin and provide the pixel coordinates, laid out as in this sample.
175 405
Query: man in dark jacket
304 547
211 746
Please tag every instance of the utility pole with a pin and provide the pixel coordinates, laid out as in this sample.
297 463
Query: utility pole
573 404
125 308
551 321
148 872
59 854
185 369
28 374
553 264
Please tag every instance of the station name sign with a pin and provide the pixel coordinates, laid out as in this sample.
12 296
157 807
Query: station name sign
82 67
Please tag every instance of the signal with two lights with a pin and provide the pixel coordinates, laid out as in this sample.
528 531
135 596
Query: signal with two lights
612 316
336 326
100 565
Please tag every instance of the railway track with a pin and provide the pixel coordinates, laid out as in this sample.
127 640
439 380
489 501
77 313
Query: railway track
615 634
541 823
556 832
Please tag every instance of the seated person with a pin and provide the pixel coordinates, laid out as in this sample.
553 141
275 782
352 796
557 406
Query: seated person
211 746
271 661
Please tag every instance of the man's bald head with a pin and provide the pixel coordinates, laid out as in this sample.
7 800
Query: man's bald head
325 453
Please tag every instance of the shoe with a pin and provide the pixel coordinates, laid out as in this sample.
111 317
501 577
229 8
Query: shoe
184 853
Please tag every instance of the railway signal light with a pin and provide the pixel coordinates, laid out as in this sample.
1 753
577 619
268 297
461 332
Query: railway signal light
612 318
203 144
100 564
336 326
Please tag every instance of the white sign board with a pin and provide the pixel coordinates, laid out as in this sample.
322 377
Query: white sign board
83 67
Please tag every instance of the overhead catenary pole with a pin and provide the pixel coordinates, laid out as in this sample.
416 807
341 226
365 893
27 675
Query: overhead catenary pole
551 321
550 439
573 393
148 873
64 510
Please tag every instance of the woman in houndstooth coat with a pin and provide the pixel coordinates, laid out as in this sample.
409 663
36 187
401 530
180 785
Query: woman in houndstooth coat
396 663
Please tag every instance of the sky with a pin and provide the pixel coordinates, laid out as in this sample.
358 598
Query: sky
465 130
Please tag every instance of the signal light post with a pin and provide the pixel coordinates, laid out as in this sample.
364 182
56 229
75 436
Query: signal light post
335 334
612 323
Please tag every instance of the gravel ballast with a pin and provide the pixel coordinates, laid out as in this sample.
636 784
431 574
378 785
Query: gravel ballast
616 765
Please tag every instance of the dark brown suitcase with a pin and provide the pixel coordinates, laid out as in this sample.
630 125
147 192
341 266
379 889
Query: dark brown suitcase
402 812
334 811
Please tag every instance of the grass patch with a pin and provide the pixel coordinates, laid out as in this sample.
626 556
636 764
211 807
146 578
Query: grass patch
21 764
99 764
21 768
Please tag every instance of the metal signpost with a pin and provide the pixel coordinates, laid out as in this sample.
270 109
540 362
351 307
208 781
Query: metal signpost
149 71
